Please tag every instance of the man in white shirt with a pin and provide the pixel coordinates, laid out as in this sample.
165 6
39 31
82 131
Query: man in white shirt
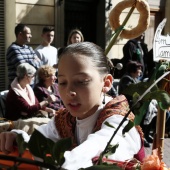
47 53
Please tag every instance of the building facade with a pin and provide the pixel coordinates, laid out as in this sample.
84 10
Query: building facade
90 16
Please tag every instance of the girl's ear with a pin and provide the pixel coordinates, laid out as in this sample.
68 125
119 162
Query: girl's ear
108 80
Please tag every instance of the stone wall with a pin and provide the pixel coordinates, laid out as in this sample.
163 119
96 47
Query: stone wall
35 13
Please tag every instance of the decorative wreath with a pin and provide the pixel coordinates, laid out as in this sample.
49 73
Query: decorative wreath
144 19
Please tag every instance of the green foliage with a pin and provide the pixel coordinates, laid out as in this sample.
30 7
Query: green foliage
140 112
59 148
41 147
162 98
111 150
139 88
136 90
128 127
108 124
161 68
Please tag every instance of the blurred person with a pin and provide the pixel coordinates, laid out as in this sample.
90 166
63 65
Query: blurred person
47 86
136 50
150 63
21 101
75 36
133 71
45 51
18 52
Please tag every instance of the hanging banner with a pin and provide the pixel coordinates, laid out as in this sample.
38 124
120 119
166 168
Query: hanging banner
161 44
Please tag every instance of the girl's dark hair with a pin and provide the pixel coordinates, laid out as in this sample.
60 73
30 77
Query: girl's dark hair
132 66
90 50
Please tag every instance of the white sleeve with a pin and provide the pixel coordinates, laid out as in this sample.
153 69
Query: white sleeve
81 156
24 134
49 130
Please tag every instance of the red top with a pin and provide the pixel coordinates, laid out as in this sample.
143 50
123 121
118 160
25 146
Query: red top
15 105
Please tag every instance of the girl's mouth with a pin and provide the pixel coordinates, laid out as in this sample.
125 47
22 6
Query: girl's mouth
74 106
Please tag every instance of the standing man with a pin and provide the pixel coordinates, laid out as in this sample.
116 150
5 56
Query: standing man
18 52
45 52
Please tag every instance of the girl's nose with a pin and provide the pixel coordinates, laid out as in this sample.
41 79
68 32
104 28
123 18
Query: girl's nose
71 94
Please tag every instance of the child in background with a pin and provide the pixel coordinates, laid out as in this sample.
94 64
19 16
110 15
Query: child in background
84 80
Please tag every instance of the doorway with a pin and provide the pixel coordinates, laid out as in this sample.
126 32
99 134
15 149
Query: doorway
81 14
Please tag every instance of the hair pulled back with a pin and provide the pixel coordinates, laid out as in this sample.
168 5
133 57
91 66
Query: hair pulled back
90 50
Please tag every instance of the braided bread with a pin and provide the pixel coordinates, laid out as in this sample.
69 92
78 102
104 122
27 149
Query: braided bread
144 19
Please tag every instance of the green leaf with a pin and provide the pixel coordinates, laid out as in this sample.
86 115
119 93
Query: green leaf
138 88
162 97
135 97
59 148
164 100
128 127
22 145
111 150
39 145
108 124
152 78
139 113
162 69
104 167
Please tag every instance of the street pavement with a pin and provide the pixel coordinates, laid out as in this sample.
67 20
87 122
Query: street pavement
166 153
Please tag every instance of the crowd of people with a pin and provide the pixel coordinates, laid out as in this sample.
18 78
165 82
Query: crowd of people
77 100
138 67
83 81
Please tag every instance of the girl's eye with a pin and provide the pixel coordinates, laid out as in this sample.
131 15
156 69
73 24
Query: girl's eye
84 82
62 83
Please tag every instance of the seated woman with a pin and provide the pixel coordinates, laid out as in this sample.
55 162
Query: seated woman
46 86
21 101
133 71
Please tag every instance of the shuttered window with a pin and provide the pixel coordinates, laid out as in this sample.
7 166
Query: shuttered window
2 47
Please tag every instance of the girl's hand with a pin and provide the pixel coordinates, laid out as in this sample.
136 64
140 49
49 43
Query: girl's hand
7 141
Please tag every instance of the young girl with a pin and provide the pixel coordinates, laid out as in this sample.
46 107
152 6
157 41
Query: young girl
84 79
75 36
